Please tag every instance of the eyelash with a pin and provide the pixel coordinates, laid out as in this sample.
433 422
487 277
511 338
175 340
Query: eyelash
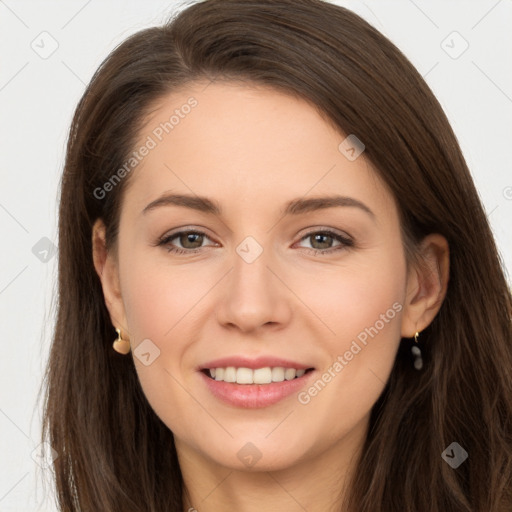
344 242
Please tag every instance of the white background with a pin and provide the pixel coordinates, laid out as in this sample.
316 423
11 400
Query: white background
37 99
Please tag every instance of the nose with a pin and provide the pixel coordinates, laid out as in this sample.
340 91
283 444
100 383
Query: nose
254 296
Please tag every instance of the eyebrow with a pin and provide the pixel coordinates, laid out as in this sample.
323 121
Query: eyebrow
294 207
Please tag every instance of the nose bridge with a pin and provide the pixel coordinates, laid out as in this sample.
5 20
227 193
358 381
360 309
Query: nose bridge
250 275
254 296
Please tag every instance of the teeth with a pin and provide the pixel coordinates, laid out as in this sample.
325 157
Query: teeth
289 373
259 376
244 376
277 374
230 374
262 375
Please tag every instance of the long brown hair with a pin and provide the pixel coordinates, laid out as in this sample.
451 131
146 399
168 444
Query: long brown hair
114 453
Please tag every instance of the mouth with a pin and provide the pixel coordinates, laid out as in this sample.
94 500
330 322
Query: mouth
255 388
265 375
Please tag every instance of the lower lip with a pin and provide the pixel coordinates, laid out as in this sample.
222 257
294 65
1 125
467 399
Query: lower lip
253 396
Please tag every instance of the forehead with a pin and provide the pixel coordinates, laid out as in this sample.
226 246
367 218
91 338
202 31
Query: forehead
247 144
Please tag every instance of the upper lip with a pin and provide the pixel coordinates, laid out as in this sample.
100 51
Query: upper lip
253 363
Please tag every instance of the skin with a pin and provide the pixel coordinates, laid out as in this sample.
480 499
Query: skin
252 150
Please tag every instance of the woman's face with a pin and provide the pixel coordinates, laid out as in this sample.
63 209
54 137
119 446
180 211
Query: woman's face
272 279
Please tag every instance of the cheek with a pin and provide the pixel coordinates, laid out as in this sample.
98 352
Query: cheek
369 306
156 296
363 308
360 298
159 302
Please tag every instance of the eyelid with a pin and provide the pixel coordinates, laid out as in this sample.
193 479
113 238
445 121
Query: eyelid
323 229
200 230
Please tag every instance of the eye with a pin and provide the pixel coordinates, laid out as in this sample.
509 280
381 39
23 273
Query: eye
188 241
321 242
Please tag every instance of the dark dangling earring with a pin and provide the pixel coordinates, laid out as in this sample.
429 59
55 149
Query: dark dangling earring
416 352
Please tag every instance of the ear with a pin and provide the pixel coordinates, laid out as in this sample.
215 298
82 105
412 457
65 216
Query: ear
107 269
427 282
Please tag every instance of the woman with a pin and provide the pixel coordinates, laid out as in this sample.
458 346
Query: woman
266 211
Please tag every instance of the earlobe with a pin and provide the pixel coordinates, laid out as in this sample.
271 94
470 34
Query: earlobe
427 284
107 270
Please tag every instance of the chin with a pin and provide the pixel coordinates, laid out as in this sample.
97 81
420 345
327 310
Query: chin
255 456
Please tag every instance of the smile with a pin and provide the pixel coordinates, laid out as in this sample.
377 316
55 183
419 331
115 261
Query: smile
266 375
248 388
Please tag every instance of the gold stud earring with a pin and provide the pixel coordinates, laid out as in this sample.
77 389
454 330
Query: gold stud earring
416 337
120 345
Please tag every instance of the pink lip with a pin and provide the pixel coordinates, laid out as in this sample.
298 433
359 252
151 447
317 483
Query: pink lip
253 396
258 362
